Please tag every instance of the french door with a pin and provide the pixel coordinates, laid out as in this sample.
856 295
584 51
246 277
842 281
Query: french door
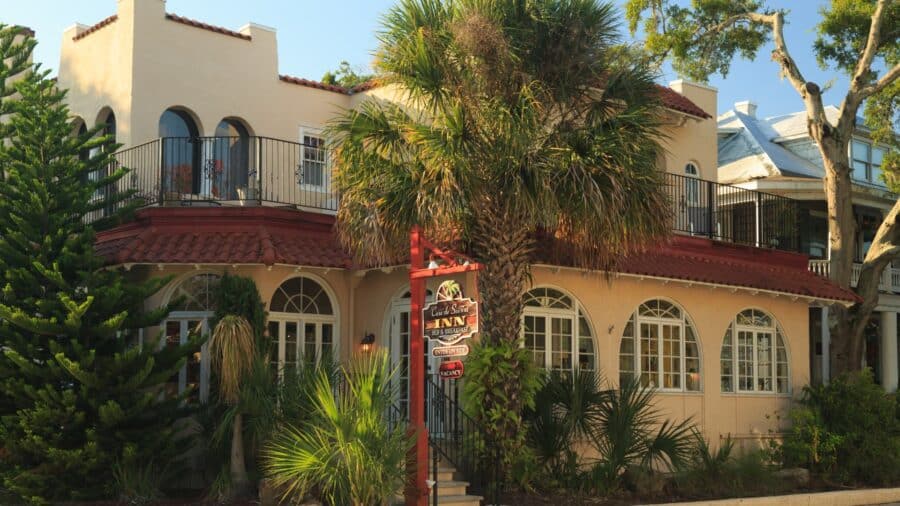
299 338
755 360
550 339
662 356
194 374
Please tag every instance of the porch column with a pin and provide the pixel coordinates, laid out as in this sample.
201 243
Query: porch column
826 347
889 350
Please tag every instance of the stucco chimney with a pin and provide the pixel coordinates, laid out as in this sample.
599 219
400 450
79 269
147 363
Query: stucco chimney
747 107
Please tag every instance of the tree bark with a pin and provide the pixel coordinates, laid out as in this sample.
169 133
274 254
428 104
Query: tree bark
240 484
504 245
847 324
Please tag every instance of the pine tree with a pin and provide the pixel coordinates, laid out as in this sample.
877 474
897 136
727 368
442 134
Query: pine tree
77 397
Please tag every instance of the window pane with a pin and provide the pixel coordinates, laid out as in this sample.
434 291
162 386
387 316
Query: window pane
745 360
764 361
274 339
726 362
859 151
195 328
327 339
290 343
561 344
649 355
309 342
173 340
859 170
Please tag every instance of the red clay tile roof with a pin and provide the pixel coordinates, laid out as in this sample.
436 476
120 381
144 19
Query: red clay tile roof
678 102
670 98
212 28
265 235
233 235
314 84
701 260
91 29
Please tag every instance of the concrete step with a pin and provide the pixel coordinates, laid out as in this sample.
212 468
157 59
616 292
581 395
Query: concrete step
458 500
443 474
451 488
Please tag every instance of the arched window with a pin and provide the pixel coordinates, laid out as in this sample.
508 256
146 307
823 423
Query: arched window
754 358
181 154
302 322
189 319
557 331
229 161
659 346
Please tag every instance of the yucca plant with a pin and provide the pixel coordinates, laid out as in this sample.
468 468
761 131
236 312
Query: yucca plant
232 350
631 433
347 452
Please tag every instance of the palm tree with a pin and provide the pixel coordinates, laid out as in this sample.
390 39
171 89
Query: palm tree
515 120
232 349
347 450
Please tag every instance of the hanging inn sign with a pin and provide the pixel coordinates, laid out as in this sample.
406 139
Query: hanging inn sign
449 320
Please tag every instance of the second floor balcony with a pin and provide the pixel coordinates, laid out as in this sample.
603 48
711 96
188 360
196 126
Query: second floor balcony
263 171
889 282
243 171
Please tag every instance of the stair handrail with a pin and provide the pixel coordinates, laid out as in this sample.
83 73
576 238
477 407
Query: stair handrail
463 441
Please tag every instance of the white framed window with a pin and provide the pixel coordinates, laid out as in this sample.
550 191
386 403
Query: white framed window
557 331
865 160
754 358
302 323
692 184
659 346
189 320
313 171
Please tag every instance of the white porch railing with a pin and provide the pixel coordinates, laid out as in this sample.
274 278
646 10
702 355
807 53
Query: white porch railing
890 278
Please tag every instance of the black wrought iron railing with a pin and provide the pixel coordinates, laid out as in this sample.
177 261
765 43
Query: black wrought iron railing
455 436
228 171
733 214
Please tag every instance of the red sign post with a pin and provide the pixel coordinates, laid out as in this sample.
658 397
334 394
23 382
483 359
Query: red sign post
417 488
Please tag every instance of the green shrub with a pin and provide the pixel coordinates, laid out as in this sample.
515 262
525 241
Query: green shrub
719 473
501 382
848 431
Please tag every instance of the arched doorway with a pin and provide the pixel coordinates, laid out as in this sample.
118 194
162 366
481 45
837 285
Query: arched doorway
181 153
230 160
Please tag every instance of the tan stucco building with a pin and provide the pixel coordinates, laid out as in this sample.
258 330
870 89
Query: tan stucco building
234 178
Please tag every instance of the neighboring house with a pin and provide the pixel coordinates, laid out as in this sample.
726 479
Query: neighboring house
227 156
777 155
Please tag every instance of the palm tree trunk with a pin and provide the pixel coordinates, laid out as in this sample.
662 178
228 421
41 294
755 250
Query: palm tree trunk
239 482
503 244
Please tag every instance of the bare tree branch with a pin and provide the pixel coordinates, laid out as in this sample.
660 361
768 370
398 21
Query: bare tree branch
858 90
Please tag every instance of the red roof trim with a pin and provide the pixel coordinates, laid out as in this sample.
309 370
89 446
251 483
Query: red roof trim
91 29
314 84
671 99
204 26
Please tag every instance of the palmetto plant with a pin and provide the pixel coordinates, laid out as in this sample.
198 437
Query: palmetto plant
515 118
629 431
347 450
232 349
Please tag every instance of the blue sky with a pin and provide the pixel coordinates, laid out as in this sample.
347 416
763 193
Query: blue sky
314 36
